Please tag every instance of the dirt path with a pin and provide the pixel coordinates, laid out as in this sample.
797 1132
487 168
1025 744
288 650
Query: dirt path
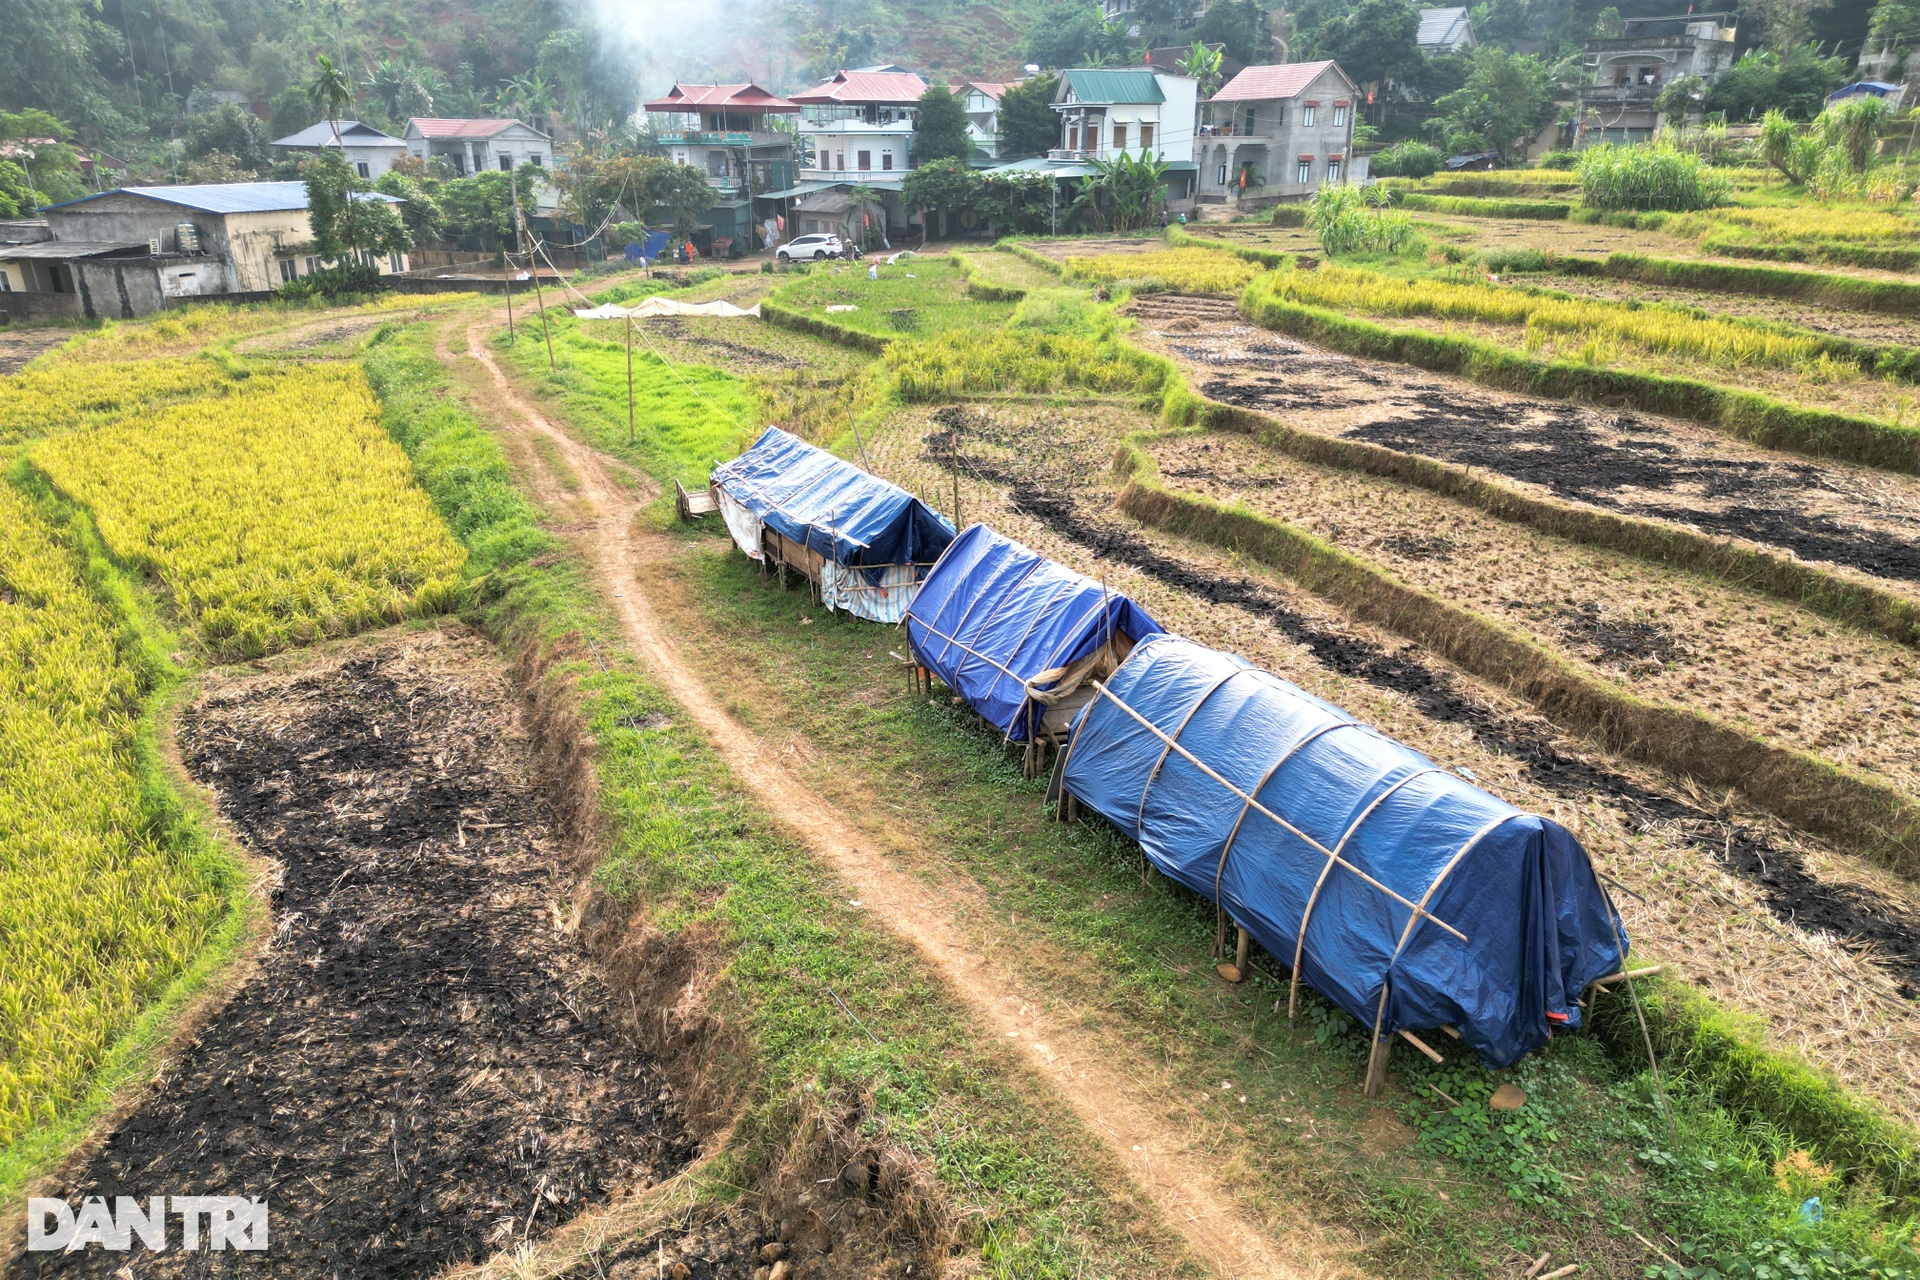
1090 1074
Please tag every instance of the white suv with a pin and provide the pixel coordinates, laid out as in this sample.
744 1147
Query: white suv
813 246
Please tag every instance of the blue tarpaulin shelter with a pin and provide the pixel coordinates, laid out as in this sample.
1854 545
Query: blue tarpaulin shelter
866 542
1018 635
1408 897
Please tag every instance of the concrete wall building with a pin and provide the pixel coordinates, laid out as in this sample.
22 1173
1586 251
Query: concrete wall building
1277 133
473 145
731 133
1445 31
1626 76
131 251
858 127
982 101
368 151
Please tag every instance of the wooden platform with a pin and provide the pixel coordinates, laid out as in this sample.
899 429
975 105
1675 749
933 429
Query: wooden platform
692 506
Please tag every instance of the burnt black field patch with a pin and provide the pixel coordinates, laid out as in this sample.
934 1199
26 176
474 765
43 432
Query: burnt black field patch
422 1069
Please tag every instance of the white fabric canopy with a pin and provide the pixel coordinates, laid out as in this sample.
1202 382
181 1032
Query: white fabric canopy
649 307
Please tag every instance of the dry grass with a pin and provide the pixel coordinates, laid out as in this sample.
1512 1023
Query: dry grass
1810 993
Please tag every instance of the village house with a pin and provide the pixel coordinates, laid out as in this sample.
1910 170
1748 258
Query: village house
368 152
858 127
981 98
473 145
1445 31
1141 112
131 251
1625 76
1278 132
739 135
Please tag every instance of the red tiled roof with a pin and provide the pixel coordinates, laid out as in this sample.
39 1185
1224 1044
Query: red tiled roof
434 128
1264 84
721 97
992 90
883 87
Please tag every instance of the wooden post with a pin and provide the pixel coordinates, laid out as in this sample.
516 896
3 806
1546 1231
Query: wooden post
544 329
1237 971
509 283
1377 1066
953 458
629 377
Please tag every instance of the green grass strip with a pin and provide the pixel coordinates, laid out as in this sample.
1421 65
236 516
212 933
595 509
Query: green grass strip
1744 414
846 336
1183 238
1868 817
1865 606
981 287
1482 207
1819 288
1020 250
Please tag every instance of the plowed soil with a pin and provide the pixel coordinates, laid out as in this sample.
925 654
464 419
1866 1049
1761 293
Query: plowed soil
1825 512
421 1069
1769 669
1818 945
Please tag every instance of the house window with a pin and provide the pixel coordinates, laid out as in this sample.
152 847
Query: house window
360 167
506 163
1222 179
1333 171
866 161
1307 113
1073 137
288 270
1119 137
1305 172
313 265
1146 137
886 159
396 263
1339 115
534 159
6 283
1253 114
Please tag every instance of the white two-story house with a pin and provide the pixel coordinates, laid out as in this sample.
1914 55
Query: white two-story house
473 145
982 101
1139 112
858 127
1278 132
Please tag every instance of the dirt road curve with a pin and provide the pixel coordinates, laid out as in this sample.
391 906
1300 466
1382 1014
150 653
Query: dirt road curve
1090 1075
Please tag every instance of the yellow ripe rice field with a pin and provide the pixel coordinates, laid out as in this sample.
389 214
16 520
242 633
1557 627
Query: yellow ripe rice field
274 515
65 393
1187 269
97 910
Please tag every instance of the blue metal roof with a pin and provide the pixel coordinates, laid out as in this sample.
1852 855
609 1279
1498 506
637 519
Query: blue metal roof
223 197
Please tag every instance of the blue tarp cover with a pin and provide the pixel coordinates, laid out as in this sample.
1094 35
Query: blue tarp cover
994 616
846 515
1537 925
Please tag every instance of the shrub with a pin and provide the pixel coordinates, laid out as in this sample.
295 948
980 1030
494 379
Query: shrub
1648 176
1560 160
1408 160
1340 218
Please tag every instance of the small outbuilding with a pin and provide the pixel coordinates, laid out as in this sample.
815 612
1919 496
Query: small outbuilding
864 542
1018 635
1393 886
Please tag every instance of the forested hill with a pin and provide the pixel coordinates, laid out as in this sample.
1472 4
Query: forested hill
123 71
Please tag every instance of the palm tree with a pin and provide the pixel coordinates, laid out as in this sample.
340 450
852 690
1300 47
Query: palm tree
330 90
528 97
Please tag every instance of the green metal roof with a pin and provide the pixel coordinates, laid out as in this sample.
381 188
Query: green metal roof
1094 87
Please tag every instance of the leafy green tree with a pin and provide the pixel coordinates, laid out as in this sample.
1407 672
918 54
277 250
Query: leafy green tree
48 57
940 127
426 223
1203 64
479 207
1501 106
683 191
1029 126
1761 81
1240 25
1075 34
17 195
41 151
231 130
939 186
289 113
1376 41
1784 24
349 225
1020 201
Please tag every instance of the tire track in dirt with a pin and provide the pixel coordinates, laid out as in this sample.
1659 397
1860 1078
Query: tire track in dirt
1090 1073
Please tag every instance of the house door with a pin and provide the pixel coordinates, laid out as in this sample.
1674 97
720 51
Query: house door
866 161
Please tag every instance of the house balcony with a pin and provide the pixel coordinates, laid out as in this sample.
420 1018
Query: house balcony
702 137
1071 153
852 175
1623 95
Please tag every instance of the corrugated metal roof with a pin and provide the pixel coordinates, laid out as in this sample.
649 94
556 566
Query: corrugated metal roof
224 197
62 249
430 127
1132 85
351 131
728 97
1271 83
881 87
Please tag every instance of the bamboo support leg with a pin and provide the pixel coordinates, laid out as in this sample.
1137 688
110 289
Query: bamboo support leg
1237 971
1377 1066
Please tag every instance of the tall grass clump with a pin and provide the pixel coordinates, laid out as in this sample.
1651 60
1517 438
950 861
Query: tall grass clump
1346 222
1026 361
1655 175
